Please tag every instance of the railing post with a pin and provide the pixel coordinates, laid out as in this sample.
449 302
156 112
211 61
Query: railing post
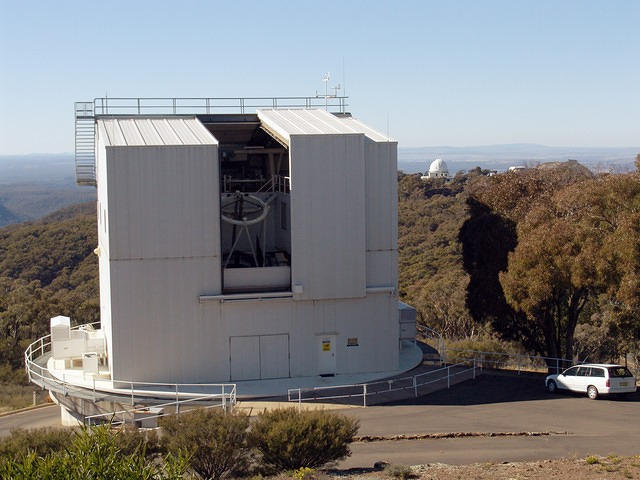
557 366
389 382
138 105
94 388
364 395
448 377
415 387
131 393
224 400
299 399
177 401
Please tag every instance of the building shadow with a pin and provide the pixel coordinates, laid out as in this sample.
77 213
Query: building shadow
502 387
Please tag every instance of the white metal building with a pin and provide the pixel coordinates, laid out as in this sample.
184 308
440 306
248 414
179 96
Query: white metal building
247 247
258 249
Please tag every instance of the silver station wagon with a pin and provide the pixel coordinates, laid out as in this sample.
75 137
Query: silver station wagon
594 379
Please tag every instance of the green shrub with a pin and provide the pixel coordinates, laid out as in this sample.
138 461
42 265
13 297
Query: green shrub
591 460
92 454
130 439
288 439
40 441
399 472
216 441
43 441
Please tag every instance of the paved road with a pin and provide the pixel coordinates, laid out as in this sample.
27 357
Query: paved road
488 404
498 404
37 418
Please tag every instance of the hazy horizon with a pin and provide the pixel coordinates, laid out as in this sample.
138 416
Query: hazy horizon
462 73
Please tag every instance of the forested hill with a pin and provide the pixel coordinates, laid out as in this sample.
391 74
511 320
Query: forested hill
547 257
47 268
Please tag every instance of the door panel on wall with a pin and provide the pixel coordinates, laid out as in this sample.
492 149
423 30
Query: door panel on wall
245 358
274 356
326 354
259 357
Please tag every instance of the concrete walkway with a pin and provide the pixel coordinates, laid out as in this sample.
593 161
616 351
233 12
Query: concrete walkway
410 356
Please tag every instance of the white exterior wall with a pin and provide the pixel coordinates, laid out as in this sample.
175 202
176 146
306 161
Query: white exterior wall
372 320
163 235
381 183
327 215
103 241
160 251
159 333
163 202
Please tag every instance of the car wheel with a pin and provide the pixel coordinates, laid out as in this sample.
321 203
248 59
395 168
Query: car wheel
592 392
552 387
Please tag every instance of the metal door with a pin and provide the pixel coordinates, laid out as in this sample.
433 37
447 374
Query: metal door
244 358
326 355
274 356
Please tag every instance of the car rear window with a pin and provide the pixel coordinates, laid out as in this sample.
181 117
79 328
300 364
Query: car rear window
619 372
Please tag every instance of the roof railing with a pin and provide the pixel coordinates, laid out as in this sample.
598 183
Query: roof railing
85 113
210 105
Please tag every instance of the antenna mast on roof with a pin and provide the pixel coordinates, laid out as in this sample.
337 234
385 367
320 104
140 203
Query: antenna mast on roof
325 79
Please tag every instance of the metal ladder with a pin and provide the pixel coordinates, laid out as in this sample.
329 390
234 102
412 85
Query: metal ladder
85 127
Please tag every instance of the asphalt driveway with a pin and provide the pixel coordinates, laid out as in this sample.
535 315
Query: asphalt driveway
498 403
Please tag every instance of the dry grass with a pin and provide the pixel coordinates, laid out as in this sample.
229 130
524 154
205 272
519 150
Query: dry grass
14 396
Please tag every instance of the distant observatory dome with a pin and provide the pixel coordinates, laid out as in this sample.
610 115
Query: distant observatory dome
438 169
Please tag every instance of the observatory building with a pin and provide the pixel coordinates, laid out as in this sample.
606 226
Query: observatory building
437 169
244 246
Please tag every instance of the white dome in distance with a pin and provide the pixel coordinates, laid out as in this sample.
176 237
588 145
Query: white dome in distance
438 168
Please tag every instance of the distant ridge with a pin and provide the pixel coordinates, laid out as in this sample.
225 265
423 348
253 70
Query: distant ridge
502 156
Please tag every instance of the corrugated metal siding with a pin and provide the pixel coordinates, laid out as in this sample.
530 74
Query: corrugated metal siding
303 122
358 127
158 330
328 215
163 202
154 131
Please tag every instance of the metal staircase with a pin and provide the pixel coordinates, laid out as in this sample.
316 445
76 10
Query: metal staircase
85 144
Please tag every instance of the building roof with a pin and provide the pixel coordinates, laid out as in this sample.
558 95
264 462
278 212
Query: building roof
358 127
438 166
284 123
302 122
150 131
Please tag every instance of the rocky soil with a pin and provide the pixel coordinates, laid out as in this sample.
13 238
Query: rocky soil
589 468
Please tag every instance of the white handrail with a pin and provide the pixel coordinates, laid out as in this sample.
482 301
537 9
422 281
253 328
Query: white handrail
89 419
492 358
365 390
41 376
204 105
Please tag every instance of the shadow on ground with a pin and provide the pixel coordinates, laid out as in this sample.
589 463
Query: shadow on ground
501 387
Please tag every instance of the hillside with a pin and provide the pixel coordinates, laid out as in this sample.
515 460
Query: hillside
26 201
464 261
47 268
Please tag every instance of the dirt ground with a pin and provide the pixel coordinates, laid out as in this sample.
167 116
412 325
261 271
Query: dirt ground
588 468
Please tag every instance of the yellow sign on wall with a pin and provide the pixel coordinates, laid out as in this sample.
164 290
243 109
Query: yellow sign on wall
326 345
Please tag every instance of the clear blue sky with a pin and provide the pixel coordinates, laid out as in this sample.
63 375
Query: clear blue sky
442 72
